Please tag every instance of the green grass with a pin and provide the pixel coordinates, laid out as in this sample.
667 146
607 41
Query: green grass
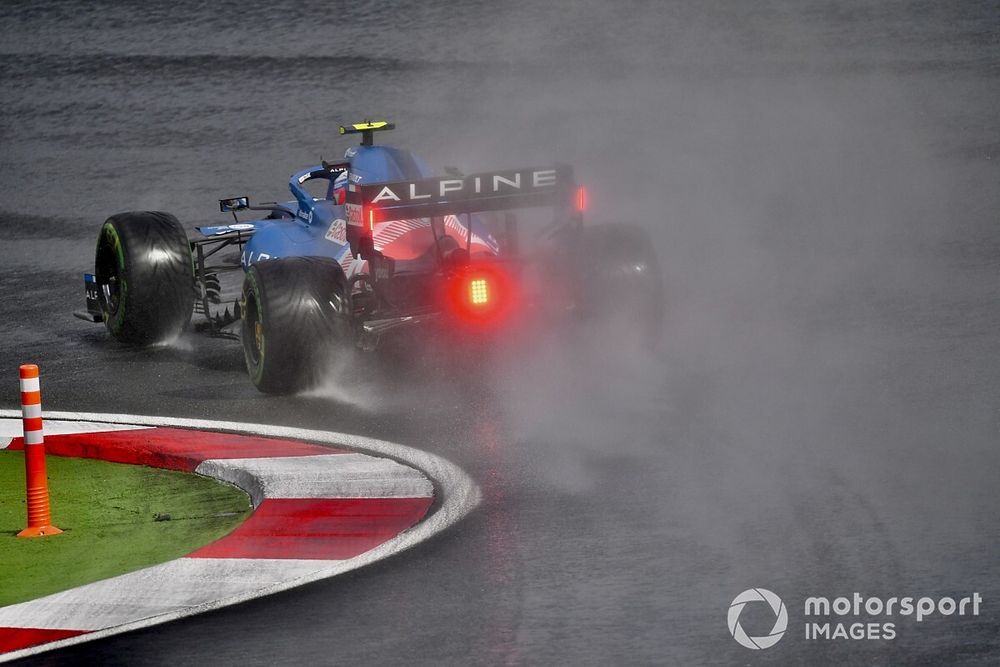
109 514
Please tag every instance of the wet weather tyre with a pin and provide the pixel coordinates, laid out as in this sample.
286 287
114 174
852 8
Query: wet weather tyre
620 279
144 267
295 317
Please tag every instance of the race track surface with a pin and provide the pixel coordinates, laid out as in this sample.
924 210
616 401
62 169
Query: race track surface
821 418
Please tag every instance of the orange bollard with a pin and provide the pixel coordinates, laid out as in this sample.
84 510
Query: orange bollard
37 483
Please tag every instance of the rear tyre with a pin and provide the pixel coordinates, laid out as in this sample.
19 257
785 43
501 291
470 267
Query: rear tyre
620 280
143 265
295 316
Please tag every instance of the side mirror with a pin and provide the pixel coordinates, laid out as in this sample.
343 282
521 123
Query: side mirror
234 204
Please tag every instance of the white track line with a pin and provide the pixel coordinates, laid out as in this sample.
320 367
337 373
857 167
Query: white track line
458 493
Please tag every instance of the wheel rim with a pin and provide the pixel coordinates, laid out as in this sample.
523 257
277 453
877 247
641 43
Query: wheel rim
256 347
109 276
111 292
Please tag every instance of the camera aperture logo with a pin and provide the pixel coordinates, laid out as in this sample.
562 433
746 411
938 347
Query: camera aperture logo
780 618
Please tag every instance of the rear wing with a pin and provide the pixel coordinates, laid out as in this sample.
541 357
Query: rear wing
368 205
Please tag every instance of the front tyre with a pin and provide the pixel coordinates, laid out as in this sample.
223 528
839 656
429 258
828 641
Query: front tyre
295 316
143 265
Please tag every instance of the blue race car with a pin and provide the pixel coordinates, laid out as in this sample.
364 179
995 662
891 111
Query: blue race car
369 247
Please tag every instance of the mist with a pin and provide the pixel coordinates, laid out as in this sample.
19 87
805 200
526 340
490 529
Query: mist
791 187
805 190
802 197
811 197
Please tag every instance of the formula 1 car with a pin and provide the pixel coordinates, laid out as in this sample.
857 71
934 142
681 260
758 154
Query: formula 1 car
371 246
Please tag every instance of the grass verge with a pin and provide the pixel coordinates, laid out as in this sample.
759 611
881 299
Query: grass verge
117 518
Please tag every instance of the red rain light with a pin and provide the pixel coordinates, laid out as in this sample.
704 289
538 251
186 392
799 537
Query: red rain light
581 199
479 292
482 296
